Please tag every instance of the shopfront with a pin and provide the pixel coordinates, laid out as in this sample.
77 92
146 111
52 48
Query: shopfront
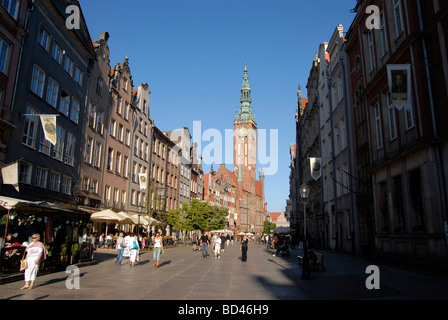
60 226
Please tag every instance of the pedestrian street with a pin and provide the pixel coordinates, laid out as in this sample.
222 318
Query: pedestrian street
184 275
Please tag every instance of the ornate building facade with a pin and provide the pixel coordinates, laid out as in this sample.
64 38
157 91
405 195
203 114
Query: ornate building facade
250 200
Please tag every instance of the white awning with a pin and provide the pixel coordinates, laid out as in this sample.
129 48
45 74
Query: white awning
13 203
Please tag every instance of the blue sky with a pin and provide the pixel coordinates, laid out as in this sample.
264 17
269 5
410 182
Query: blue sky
192 55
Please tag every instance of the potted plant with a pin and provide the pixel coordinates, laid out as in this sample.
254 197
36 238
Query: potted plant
64 251
48 262
75 253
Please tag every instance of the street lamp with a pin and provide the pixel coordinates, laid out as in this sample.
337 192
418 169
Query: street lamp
138 223
304 191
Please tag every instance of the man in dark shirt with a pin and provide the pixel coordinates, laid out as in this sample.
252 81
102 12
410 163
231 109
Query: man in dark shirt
204 240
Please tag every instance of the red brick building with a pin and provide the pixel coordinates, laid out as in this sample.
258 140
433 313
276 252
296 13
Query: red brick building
250 203
240 190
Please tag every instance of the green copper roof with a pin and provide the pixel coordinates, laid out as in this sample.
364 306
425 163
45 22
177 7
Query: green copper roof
245 112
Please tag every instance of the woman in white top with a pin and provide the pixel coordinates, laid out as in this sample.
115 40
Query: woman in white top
33 253
158 248
218 247
133 248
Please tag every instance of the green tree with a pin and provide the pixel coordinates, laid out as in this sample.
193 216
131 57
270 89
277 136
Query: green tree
197 212
217 217
268 226
197 215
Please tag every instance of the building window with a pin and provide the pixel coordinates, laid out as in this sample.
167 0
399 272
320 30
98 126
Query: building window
127 139
40 178
38 81
112 127
383 33
99 122
116 197
95 186
392 118
44 145
409 116
4 56
30 127
118 105
146 150
120 132
74 111
85 183
52 93
44 38
125 166
88 154
371 46
118 163
12 6
99 86
55 181
66 185
59 147
126 111
133 197
68 65
110 154
92 112
57 53
78 75
70 149
398 16
64 103
97 155
106 196
25 170
123 199
379 130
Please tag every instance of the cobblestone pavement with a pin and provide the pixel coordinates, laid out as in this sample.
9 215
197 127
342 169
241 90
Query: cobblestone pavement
184 275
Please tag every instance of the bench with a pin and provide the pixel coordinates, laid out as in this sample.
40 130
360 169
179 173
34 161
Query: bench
283 250
314 263
319 262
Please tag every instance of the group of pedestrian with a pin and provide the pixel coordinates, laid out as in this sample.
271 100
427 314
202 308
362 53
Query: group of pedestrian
131 244
36 251
218 243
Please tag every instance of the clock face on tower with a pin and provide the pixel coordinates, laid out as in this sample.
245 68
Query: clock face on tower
242 131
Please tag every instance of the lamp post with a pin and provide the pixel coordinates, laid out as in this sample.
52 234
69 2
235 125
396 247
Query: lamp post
138 223
304 193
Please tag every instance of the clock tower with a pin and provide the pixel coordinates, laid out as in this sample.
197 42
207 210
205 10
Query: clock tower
245 140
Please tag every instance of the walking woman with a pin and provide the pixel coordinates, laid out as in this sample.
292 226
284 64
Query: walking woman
34 253
243 248
120 248
133 249
158 248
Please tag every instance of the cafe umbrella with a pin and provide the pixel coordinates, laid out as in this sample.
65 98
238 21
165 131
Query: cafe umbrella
110 216
282 230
